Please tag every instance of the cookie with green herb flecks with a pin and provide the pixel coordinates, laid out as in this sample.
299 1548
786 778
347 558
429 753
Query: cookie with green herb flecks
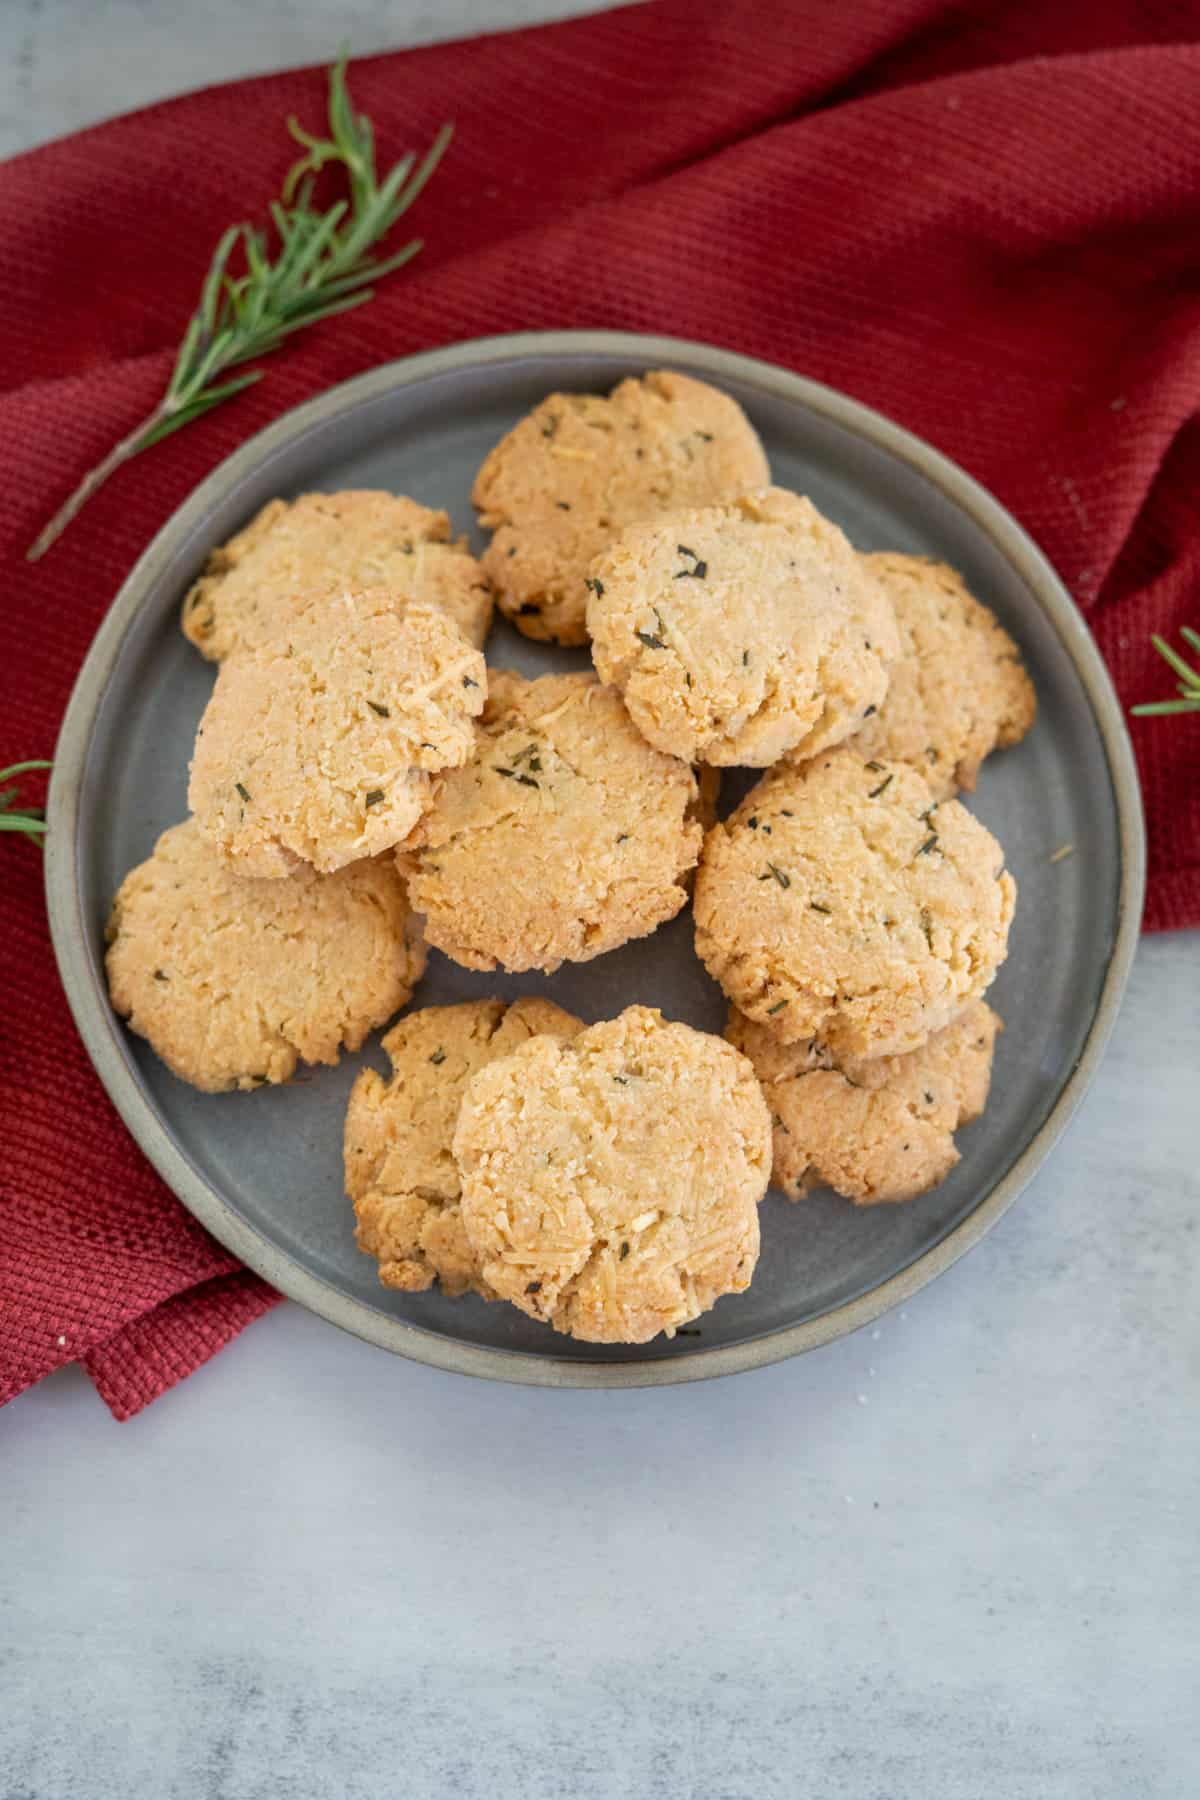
400 1172
253 585
559 487
611 1181
736 633
234 982
958 689
874 1129
321 746
565 835
842 901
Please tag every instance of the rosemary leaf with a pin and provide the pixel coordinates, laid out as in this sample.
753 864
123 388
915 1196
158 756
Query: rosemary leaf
1189 676
1189 679
1161 709
29 821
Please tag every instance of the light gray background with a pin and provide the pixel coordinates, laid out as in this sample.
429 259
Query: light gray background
955 1557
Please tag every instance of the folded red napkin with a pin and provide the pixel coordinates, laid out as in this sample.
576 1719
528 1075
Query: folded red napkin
983 220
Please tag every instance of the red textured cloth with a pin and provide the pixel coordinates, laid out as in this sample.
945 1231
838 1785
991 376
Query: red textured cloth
982 219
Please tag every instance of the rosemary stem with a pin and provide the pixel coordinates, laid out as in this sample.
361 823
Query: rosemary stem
254 295
96 477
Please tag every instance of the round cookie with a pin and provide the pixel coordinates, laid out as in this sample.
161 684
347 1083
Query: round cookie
233 982
319 748
581 467
875 1129
958 689
739 632
359 538
610 1183
565 835
400 1173
842 901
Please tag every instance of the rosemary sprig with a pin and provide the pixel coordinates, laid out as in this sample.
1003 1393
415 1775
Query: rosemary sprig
29 820
323 264
1189 678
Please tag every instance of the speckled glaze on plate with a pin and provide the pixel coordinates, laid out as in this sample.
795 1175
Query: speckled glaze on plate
263 1171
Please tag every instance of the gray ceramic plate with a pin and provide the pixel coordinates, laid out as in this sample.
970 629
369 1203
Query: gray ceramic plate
263 1171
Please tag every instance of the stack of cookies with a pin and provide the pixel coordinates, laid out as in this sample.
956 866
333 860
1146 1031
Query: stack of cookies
365 789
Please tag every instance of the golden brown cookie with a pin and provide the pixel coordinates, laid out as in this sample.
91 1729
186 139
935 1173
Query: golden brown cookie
738 632
233 981
400 1173
958 689
581 467
564 836
320 748
610 1182
874 1129
841 901
251 586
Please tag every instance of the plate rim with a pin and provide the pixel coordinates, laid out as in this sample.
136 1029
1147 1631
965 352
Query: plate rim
98 1028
